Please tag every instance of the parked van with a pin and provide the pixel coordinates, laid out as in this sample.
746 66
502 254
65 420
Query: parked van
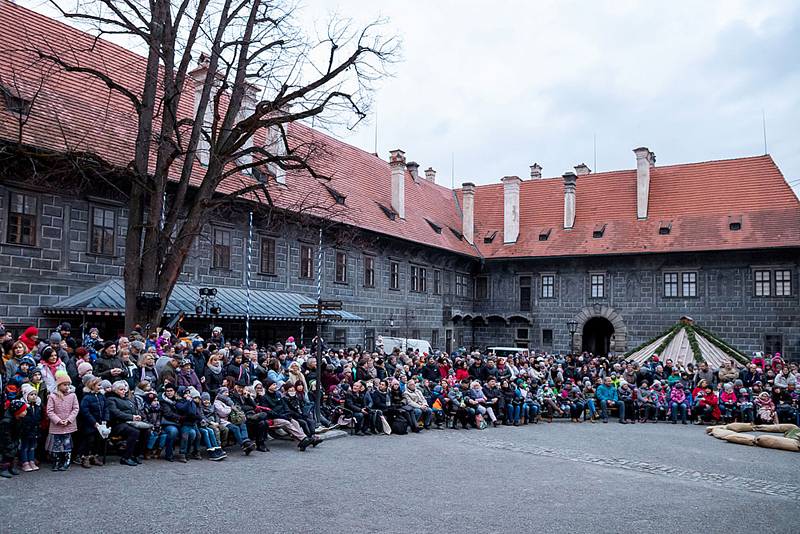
405 343
509 352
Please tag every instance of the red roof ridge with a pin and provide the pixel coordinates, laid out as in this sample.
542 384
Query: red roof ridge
656 167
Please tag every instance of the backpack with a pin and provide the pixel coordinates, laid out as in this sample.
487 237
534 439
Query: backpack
236 416
399 426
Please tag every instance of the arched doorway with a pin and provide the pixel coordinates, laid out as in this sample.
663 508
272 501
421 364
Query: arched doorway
596 338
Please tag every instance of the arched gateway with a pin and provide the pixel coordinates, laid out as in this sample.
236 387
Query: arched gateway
601 330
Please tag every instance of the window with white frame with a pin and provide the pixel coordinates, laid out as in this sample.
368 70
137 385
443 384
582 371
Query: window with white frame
598 286
671 284
762 283
689 284
783 283
548 286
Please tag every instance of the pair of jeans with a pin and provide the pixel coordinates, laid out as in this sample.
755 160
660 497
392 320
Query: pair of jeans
675 407
427 413
592 407
239 432
188 438
530 410
209 438
604 409
27 449
746 412
513 413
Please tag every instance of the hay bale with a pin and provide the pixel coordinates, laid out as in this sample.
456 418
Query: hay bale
741 439
778 429
776 442
710 429
721 433
740 427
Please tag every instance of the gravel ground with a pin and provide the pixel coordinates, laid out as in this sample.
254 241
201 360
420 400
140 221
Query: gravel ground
558 477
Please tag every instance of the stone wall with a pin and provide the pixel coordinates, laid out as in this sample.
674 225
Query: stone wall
635 299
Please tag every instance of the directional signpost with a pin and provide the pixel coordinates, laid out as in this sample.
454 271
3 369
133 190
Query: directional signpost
318 311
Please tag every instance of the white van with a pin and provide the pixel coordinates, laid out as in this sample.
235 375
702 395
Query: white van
405 343
509 352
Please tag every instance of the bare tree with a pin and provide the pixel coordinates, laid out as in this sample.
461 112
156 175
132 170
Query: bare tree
250 72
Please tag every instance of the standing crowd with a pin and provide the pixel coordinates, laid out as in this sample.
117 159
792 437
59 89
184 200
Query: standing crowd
67 399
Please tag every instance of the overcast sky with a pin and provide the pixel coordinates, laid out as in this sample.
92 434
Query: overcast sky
501 85
498 87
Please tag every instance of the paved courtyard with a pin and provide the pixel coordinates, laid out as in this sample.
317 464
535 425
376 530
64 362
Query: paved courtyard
553 478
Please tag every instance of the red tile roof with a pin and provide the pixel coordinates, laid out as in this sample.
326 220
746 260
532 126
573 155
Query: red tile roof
697 199
76 112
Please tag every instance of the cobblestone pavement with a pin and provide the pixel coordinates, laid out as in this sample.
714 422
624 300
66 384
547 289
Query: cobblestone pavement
558 477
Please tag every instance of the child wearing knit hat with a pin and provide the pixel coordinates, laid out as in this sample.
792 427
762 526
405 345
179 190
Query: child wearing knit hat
62 411
29 436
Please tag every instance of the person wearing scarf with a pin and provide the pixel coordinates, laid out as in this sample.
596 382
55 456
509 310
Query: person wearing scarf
49 365
213 375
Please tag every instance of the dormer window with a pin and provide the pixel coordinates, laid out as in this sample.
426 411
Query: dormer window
456 233
664 227
599 230
544 235
15 103
337 196
735 223
436 227
389 212
489 237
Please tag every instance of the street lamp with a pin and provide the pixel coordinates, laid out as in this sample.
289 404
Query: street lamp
207 303
572 326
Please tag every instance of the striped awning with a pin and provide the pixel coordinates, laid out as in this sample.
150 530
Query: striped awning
108 298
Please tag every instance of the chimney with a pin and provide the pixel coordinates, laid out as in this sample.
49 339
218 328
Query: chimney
536 171
397 162
510 208
569 199
645 159
430 174
582 169
413 170
468 212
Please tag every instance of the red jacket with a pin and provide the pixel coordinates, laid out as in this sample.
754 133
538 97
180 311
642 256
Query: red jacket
462 373
713 401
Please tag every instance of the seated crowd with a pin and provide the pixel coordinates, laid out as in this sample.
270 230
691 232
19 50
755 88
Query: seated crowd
154 397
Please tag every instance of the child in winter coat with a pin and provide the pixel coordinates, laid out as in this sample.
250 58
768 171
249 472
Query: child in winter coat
62 411
745 406
765 408
727 402
10 432
678 403
29 437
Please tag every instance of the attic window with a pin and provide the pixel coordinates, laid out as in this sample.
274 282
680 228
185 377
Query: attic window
544 235
599 230
664 227
456 233
490 235
15 103
337 196
436 227
735 223
389 212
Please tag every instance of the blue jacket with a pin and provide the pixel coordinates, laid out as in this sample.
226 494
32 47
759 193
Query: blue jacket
606 393
94 409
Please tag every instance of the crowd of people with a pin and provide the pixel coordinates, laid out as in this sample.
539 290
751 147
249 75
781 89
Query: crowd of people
69 399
